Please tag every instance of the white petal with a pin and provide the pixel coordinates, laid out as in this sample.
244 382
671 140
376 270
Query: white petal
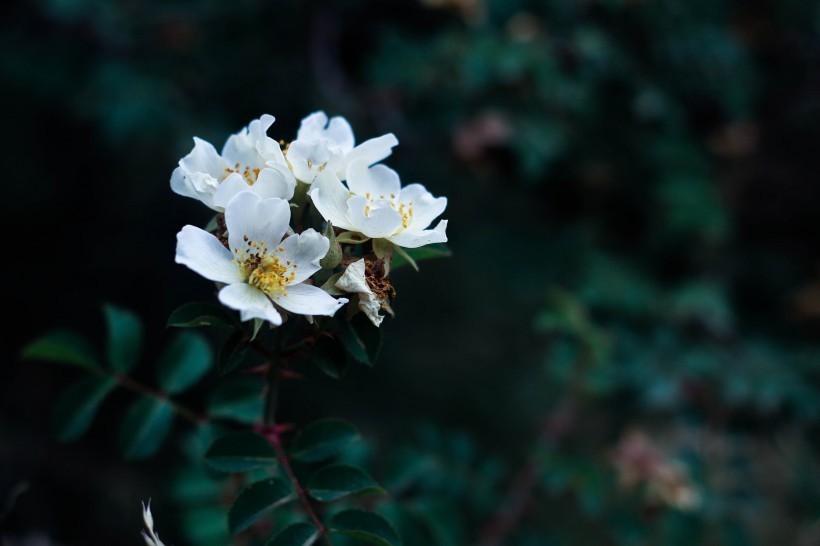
307 159
304 252
241 147
426 208
204 159
337 133
228 188
378 222
420 238
203 253
312 127
371 306
304 299
275 181
180 183
250 302
260 220
330 196
272 182
353 279
372 151
377 182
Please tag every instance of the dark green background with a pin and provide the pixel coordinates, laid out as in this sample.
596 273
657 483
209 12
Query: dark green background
639 244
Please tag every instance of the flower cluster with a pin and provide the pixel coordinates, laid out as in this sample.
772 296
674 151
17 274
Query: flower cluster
266 262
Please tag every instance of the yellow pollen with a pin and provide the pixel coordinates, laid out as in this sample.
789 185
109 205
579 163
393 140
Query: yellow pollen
270 276
250 175
406 212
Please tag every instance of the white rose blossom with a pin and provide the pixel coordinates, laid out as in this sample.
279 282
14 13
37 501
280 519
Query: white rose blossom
355 281
250 161
260 269
323 144
375 205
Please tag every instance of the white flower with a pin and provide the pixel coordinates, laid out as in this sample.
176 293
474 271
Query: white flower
355 281
148 535
250 161
260 268
375 204
323 144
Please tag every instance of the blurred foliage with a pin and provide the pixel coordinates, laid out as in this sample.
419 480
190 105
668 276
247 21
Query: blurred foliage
625 336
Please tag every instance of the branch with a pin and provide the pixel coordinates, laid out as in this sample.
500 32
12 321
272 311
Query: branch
272 434
137 387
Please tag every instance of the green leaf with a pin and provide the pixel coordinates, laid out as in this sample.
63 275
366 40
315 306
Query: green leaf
339 480
334 253
322 439
184 362
193 315
255 501
328 355
240 452
351 238
145 427
76 407
361 339
366 526
124 338
64 347
297 534
232 352
410 256
239 399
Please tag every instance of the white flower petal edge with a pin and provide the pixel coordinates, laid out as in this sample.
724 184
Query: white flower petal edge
148 535
204 254
250 302
246 157
260 268
306 299
354 281
323 143
377 206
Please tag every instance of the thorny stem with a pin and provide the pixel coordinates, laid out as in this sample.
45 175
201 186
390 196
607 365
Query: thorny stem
272 434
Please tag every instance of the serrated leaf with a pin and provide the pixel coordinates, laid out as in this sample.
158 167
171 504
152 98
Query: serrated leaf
124 338
193 315
146 425
296 534
415 255
240 452
64 347
339 480
361 339
256 500
184 362
322 439
76 407
240 399
367 526
232 352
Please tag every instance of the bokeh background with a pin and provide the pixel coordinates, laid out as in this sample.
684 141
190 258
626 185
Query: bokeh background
623 348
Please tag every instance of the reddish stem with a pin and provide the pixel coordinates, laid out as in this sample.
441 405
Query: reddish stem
272 434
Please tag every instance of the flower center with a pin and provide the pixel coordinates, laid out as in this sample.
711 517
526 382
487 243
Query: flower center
250 175
270 276
263 270
405 210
